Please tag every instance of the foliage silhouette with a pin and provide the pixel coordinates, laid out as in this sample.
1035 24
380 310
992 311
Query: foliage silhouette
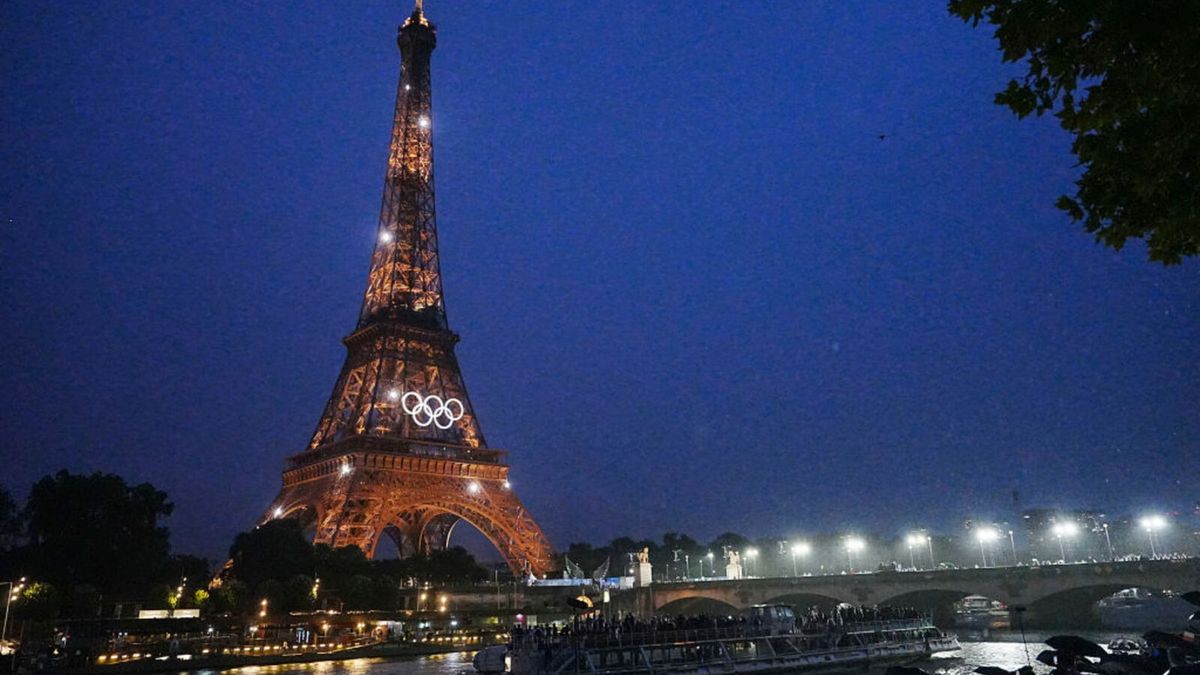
1121 77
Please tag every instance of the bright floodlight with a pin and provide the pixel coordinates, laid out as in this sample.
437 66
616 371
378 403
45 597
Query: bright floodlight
345 471
1066 528
1154 522
385 236
278 511
506 485
751 552
423 122
986 534
710 555
393 394
914 539
801 548
854 544
473 487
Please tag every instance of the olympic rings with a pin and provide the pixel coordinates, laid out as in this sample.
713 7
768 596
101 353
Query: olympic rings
431 409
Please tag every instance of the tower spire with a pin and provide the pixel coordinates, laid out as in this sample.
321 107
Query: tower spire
405 280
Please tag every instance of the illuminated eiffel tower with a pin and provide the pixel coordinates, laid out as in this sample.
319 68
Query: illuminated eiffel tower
398 450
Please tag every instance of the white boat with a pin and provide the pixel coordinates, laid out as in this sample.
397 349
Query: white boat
768 642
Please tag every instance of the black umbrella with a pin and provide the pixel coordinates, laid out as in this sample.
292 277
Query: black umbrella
1048 657
1073 644
1167 640
1191 669
1192 597
992 670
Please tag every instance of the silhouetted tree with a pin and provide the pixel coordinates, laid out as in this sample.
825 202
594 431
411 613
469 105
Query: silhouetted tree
336 566
10 521
1121 78
276 550
193 568
96 530
727 539
233 596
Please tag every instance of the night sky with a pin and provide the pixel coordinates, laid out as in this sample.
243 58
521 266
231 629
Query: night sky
696 290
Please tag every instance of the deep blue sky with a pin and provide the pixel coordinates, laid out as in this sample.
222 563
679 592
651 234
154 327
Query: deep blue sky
695 289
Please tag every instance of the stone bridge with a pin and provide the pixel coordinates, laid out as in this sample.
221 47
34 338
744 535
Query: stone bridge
1052 595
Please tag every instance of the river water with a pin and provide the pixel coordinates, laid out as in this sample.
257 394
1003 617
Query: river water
1009 655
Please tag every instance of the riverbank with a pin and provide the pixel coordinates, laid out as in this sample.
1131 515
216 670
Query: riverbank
227 661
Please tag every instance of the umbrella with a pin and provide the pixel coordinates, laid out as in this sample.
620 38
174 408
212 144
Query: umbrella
1073 644
1048 657
1192 597
992 670
1167 640
1191 669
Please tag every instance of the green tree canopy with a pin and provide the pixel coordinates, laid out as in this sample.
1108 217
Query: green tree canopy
1123 78
97 530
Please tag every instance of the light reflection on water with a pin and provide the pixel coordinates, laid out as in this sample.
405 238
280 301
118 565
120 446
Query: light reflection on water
1009 655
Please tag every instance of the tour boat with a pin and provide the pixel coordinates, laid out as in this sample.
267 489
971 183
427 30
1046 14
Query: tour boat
769 641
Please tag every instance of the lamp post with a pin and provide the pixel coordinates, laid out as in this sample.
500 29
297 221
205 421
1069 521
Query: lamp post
712 566
1064 530
800 548
912 541
1152 524
1108 542
14 588
985 535
1012 543
929 540
853 545
751 554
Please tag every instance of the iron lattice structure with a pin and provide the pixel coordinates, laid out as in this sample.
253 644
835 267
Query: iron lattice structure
398 450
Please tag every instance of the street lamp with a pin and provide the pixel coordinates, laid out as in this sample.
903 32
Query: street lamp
1066 529
262 612
985 535
1012 543
751 554
1108 542
1151 524
712 566
14 590
914 540
853 545
800 548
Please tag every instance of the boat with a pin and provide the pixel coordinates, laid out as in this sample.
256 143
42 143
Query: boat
769 640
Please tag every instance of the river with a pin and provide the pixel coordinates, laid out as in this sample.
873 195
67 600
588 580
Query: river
1010 655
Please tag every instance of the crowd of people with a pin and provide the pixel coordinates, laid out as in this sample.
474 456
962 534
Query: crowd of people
599 629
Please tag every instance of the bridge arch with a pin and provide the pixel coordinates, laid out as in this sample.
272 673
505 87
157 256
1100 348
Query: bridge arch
1076 606
698 604
939 602
802 601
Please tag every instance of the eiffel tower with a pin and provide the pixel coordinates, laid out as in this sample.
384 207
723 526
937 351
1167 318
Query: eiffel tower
398 450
